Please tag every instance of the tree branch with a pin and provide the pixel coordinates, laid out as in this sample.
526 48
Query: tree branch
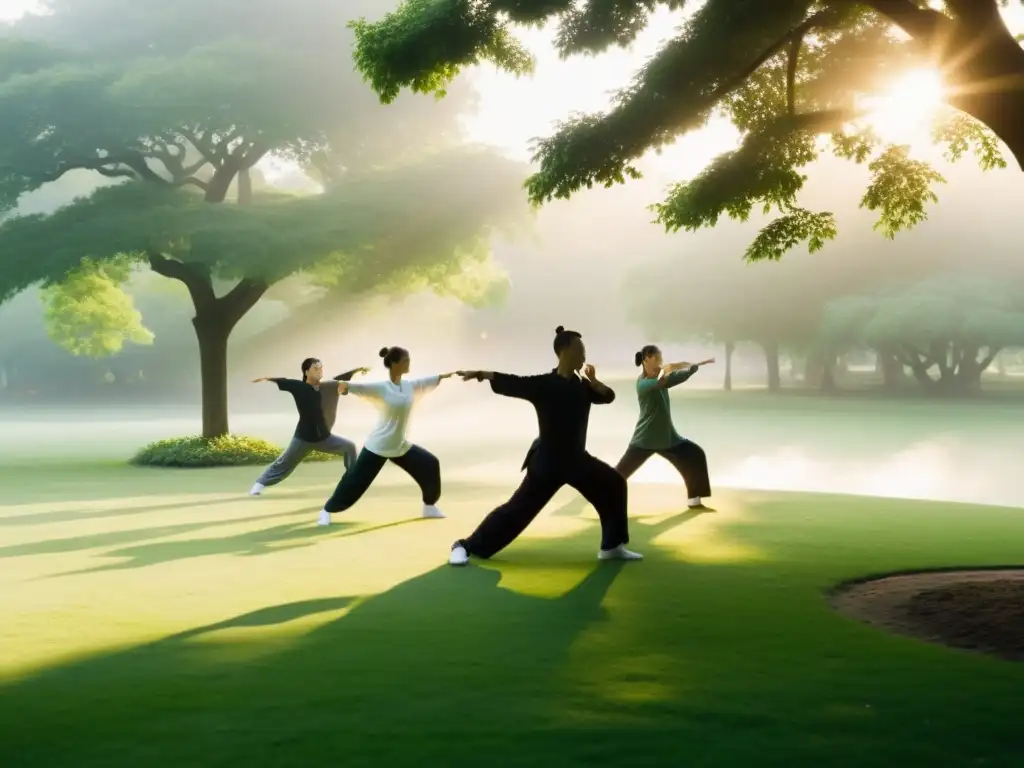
921 24
242 298
192 181
198 282
791 65
977 14
202 143
796 35
986 361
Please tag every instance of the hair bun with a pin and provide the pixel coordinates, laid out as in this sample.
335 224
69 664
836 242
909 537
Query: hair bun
638 358
383 352
560 329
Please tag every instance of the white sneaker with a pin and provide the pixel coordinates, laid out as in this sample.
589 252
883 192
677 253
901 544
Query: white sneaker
429 510
696 501
256 489
458 556
325 518
619 553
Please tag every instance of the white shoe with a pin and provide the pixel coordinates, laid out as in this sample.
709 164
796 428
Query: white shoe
696 501
432 512
325 518
256 489
619 553
458 556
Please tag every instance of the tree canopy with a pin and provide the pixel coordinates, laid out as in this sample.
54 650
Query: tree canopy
946 330
786 73
182 104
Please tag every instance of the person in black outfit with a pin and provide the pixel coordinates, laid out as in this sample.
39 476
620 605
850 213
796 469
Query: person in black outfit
562 399
317 404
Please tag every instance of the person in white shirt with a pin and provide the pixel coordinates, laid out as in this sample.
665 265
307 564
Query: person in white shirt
394 397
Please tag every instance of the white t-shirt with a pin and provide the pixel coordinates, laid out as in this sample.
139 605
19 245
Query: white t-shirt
395 403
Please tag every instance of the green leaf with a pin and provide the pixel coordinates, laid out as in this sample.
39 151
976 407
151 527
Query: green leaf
89 315
900 189
786 232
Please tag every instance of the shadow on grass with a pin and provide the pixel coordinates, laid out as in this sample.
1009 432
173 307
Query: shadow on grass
249 544
116 538
318 493
443 654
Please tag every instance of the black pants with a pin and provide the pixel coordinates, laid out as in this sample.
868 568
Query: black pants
601 485
688 458
421 465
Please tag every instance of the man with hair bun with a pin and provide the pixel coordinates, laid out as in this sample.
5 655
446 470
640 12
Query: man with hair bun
558 457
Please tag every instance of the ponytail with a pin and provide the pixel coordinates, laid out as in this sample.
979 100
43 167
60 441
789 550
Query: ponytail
645 351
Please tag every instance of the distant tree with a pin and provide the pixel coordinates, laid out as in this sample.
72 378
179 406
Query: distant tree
784 72
180 103
724 302
946 330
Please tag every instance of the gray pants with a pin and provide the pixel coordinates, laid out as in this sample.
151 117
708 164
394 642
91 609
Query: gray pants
297 450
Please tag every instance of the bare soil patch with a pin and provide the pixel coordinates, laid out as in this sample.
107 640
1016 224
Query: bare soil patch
981 611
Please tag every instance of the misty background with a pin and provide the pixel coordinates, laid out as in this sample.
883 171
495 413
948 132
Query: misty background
597 264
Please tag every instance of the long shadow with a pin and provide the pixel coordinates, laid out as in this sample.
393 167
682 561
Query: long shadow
72 516
446 653
268 617
248 544
318 492
450 666
116 538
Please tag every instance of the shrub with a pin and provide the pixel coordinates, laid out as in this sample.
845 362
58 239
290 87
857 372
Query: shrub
224 451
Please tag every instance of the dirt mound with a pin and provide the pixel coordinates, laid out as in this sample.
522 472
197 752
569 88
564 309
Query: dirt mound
980 611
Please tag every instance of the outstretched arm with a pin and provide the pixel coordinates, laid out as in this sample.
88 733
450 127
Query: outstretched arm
428 383
373 390
347 375
600 393
677 375
507 384
285 385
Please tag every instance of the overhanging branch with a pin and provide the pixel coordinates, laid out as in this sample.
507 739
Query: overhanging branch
922 24
795 36
791 65
198 282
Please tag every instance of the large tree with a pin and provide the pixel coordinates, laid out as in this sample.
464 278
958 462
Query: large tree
946 330
180 104
785 72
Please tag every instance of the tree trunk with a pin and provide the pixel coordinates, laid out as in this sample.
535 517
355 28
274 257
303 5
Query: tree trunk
216 316
889 365
983 67
771 356
969 370
212 332
828 373
730 348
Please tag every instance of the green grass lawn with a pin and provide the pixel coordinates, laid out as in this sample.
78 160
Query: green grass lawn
158 618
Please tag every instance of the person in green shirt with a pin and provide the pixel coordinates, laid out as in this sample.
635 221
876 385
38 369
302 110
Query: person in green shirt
655 433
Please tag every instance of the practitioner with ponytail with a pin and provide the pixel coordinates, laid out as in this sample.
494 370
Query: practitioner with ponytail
394 398
655 433
562 400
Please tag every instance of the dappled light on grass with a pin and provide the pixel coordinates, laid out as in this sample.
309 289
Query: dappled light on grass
364 643
547 582
705 538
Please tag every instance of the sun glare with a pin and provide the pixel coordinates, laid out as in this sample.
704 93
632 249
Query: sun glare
904 113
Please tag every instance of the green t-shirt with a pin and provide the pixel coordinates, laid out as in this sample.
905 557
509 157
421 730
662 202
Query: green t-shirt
654 430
